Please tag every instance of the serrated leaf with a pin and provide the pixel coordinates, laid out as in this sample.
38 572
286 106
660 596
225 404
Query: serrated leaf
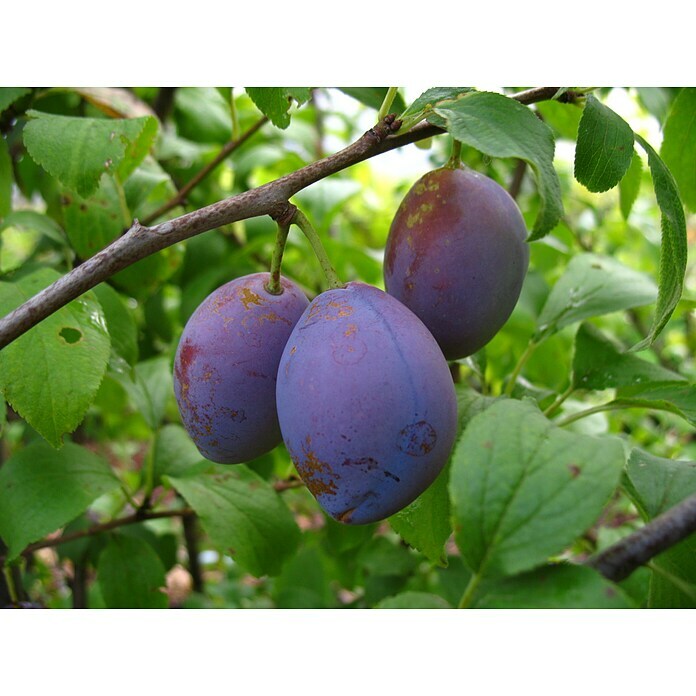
675 397
593 285
274 102
673 251
561 586
373 97
50 375
77 151
413 600
242 514
93 223
629 186
678 149
42 489
604 148
131 574
523 490
500 126
9 95
6 179
119 322
599 363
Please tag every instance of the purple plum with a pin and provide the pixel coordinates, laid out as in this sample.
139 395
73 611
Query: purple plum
226 365
366 403
457 256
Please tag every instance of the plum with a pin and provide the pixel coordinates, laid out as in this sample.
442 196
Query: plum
457 256
226 365
366 403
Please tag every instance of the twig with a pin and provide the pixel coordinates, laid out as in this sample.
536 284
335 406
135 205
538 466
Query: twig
621 559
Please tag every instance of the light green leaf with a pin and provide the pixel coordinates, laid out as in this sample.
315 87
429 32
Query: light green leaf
77 151
50 375
119 322
413 600
629 186
131 574
502 127
561 586
600 364
604 148
523 490
678 149
9 95
274 102
42 489
92 223
6 179
593 285
673 252
242 514
36 222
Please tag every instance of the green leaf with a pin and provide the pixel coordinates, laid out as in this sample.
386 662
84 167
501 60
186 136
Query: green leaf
50 375
629 186
9 95
202 115
679 144
30 220
374 97
303 582
273 102
604 149
676 397
77 151
131 575
428 101
413 600
119 322
6 179
593 285
523 490
242 514
173 451
93 223
500 126
42 490
673 252
599 363
561 586
299 94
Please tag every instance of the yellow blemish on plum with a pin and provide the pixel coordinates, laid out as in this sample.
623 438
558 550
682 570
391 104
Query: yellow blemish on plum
352 329
249 297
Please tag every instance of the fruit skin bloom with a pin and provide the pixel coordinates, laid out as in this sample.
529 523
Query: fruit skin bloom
456 256
366 403
226 365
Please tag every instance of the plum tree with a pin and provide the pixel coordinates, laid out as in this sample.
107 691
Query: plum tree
226 364
456 255
366 403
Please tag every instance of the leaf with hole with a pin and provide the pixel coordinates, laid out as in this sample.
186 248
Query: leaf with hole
52 399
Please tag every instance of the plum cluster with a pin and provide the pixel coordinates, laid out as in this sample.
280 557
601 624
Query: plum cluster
356 383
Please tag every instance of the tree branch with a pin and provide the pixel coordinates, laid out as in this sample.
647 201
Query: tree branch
270 199
619 560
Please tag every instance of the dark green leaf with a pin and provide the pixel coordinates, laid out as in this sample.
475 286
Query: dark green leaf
274 102
502 127
676 397
242 514
373 97
131 575
678 149
50 375
673 253
604 148
299 94
174 452
562 586
9 95
120 323
42 489
6 179
77 151
598 363
202 115
303 582
629 186
523 489
590 286
413 600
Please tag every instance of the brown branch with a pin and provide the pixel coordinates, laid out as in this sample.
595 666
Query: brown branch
269 199
619 560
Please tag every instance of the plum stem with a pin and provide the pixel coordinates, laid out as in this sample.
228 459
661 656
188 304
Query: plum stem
531 347
387 103
454 162
273 286
471 588
300 219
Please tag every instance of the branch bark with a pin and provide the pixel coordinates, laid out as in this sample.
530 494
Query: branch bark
270 199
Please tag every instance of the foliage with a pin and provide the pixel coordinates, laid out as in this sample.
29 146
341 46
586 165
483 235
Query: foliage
575 423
